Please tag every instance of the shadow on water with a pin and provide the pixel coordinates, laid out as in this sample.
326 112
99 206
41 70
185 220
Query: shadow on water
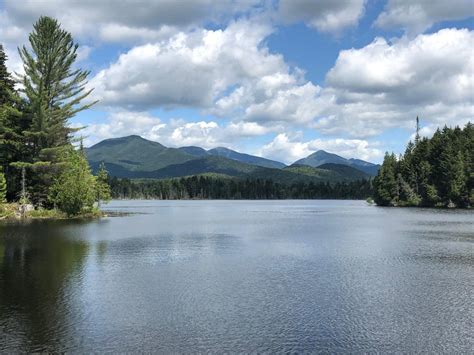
36 264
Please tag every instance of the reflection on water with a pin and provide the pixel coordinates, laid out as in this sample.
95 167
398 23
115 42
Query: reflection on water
36 263
267 276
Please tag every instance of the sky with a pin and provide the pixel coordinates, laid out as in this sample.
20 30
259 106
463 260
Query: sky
275 78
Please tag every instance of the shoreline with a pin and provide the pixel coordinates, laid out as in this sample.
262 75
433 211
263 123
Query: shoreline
11 212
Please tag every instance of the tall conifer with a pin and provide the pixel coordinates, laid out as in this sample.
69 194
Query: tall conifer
54 90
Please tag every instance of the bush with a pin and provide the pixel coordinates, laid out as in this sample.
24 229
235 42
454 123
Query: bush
74 192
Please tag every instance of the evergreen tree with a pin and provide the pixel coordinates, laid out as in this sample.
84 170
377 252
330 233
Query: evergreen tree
74 191
11 126
54 91
102 185
432 172
7 85
385 183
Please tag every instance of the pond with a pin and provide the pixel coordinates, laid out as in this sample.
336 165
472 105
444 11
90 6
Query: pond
240 276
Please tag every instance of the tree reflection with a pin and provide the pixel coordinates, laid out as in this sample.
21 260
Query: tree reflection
36 263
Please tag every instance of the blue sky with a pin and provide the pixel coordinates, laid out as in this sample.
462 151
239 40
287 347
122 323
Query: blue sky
278 78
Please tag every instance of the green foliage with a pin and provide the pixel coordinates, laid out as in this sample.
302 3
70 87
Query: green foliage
6 81
102 185
134 154
432 172
12 123
74 191
54 91
221 187
385 183
3 188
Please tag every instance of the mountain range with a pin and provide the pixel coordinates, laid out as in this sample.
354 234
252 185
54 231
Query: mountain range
321 157
138 158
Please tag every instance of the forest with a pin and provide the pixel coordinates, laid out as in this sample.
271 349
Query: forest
433 172
42 166
211 187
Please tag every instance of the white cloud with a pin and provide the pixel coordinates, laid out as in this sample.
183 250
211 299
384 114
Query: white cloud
289 148
120 123
175 133
415 16
134 21
384 85
193 69
230 73
10 35
324 15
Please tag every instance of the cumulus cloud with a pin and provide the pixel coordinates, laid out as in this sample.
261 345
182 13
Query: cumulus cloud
11 34
174 133
289 148
385 85
197 69
324 15
231 73
415 16
134 21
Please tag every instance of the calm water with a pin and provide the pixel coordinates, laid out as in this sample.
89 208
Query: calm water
222 276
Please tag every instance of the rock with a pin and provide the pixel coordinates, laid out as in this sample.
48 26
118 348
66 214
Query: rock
29 208
24 209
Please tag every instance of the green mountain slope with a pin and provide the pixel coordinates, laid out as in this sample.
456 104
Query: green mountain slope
322 157
329 172
137 158
246 158
134 153
349 172
195 151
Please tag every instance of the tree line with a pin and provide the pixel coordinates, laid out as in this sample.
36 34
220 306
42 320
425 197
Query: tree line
433 172
40 162
209 187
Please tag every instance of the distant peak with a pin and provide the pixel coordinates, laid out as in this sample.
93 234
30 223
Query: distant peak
125 140
221 148
321 152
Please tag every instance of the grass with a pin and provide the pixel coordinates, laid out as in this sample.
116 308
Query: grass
7 210
10 211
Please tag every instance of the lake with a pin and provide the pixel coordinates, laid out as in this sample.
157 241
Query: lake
240 276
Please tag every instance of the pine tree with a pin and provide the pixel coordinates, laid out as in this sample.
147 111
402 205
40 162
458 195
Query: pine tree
102 185
457 184
432 172
7 85
12 124
54 91
386 186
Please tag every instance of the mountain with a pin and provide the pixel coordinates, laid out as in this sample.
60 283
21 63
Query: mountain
368 168
246 158
329 172
210 164
137 158
322 157
195 151
348 172
135 153
221 166
232 154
